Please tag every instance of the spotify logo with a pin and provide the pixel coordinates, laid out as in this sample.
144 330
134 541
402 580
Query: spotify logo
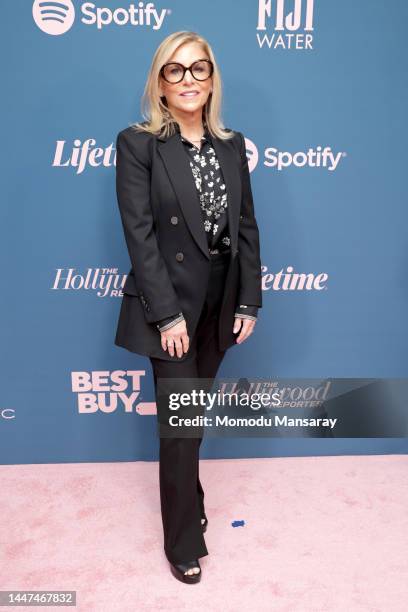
252 154
54 18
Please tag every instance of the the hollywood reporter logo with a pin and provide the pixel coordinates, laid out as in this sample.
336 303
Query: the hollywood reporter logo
105 281
109 392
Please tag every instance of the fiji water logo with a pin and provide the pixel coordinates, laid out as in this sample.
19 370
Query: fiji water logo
289 24
56 18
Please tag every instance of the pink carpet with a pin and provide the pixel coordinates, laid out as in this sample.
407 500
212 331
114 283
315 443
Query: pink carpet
321 534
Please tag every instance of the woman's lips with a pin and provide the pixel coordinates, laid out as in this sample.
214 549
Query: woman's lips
189 95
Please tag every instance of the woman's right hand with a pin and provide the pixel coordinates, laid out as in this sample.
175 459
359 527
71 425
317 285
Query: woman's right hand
175 338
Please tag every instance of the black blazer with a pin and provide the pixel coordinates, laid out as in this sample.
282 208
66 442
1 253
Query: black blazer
167 243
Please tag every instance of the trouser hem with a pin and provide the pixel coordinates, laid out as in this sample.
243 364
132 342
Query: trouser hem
173 560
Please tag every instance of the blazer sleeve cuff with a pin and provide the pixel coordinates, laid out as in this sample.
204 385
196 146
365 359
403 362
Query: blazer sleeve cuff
244 311
168 322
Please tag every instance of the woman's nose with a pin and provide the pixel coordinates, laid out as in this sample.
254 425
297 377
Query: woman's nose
188 77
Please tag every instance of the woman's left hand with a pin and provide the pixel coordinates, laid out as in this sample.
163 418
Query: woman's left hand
246 326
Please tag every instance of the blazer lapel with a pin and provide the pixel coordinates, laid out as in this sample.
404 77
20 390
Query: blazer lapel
232 177
177 164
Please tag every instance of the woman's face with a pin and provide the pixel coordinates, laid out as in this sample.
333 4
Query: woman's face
176 101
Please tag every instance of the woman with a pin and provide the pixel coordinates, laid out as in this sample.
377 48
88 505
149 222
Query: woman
186 206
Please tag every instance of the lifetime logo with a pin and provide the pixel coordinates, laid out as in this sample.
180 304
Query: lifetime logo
56 18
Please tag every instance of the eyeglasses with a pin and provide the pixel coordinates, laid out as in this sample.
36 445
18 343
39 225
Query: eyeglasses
173 72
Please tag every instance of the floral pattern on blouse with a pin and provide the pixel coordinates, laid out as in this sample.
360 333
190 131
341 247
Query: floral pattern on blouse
211 190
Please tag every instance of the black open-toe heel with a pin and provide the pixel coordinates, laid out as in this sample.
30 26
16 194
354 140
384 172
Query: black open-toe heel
178 569
204 525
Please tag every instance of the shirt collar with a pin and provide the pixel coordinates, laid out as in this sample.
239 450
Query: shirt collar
205 137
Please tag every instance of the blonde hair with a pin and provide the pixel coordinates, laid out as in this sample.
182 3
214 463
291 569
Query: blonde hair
158 119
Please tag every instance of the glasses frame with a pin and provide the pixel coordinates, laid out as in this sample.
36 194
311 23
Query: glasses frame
185 68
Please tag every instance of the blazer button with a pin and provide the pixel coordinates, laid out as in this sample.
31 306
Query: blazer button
174 220
179 256
241 216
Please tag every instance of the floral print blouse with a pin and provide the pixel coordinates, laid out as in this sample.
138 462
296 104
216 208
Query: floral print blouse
213 197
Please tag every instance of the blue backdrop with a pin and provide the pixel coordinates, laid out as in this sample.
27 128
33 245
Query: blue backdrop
321 97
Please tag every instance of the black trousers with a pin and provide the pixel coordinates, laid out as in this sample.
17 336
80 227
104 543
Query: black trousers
181 492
